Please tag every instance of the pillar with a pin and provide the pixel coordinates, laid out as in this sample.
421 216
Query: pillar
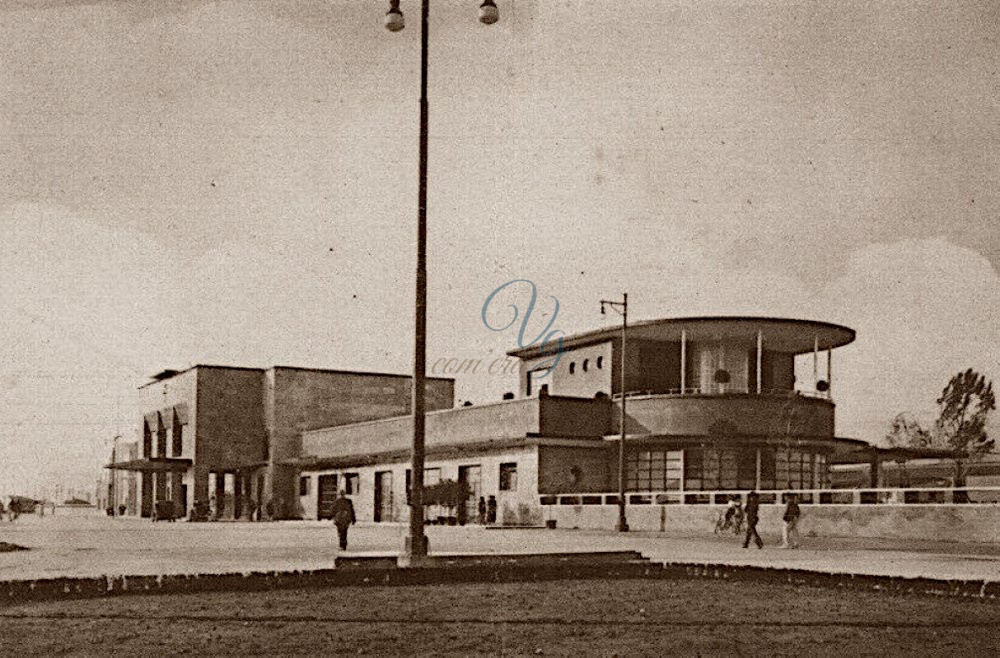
757 480
146 504
829 372
237 495
815 361
874 467
760 354
220 494
683 362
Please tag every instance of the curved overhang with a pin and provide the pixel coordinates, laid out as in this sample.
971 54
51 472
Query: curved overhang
779 334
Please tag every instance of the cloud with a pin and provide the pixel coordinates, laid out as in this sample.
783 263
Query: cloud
924 310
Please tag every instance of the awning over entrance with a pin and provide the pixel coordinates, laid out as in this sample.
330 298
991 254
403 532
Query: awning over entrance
153 465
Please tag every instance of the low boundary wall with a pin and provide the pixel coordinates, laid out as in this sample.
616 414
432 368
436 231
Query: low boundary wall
960 523
495 568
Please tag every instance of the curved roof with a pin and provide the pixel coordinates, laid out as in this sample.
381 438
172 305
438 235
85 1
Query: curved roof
779 334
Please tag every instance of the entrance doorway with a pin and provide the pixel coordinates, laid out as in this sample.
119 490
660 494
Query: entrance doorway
472 476
326 493
383 496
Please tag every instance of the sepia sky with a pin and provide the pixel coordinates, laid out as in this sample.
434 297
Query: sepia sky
234 182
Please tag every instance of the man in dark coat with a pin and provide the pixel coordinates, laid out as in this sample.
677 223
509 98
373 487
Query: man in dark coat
790 531
752 511
343 517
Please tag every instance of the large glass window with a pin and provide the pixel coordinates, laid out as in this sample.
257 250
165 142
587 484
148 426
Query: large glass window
352 483
767 468
304 483
655 470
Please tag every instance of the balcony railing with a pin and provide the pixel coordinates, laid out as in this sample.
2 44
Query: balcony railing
925 496
727 389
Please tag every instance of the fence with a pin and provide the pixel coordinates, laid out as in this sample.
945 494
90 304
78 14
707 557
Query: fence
923 496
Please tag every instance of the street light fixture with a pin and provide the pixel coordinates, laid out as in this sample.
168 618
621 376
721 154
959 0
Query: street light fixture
416 541
622 309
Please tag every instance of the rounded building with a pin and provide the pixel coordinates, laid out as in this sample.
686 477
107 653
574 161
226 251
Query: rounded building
712 403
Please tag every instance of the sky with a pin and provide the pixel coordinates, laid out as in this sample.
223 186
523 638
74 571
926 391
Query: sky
235 182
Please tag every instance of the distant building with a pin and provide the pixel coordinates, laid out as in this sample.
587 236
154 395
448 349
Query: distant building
229 438
713 405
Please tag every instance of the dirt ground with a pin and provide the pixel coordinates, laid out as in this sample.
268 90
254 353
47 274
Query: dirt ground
587 617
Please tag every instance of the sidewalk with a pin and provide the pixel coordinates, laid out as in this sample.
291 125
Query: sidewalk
97 546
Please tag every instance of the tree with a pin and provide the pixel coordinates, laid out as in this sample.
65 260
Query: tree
965 405
906 432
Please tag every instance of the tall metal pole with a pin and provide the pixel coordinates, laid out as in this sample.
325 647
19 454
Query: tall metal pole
416 542
622 522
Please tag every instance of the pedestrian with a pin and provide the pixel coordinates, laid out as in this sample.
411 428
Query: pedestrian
482 511
790 530
343 517
491 510
752 511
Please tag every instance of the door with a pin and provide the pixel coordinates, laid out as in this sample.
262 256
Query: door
471 475
383 496
326 493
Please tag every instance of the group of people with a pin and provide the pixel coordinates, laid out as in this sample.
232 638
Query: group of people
736 515
487 510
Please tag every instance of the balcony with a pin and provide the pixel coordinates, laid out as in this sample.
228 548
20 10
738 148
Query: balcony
732 412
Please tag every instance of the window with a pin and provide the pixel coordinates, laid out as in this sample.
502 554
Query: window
572 367
586 362
352 483
304 483
600 362
508 476
767 468
655 470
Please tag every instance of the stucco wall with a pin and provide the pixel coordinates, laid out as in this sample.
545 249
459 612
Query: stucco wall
945 522
301 399
162 396
582 383
562 469
513 507
744 414
549 416
230 418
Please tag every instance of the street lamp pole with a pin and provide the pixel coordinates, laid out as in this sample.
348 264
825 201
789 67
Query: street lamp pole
622 309
416 541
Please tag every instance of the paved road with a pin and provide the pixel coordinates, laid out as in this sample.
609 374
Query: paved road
98 545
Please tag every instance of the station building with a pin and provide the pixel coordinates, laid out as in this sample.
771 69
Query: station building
712 404
230 437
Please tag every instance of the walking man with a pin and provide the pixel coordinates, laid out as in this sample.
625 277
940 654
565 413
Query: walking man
491 510
790 531
752 510
343 517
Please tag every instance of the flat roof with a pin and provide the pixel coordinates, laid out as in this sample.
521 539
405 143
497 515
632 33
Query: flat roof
170 373
779 334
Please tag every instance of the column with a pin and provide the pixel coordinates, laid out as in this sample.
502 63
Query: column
815 361
760 354
829 371
220 494
237 495
683 362
757 479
